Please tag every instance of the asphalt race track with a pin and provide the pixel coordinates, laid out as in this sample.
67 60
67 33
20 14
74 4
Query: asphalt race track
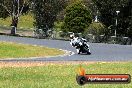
100 51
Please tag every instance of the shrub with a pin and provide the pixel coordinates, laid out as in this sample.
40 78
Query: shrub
77 18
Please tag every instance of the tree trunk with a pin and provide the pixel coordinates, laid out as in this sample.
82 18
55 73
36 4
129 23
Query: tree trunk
14 25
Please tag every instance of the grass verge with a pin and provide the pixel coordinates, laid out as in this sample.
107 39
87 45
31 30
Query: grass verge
14 50
60 75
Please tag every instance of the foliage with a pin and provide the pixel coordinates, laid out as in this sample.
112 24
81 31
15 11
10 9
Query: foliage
14 9
25 21
57 26
6 7
108 8
3 12
45 12
77 18
96 28
92 7
88 3
129 19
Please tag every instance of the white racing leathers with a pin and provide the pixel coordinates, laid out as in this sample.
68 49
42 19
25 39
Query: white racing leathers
81 45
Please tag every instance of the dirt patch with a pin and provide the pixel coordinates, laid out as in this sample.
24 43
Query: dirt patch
36 63
46 63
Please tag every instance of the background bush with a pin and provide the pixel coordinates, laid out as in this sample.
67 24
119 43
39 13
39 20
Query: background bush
77 18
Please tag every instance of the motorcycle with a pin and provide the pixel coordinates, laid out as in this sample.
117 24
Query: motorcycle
81 46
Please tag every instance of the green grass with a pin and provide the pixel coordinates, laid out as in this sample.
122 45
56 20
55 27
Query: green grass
60 76
25 21
14 50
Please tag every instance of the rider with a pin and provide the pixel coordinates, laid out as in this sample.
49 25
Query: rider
76 41
73 41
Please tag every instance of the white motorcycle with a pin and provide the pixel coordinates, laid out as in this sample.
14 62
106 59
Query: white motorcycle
81 46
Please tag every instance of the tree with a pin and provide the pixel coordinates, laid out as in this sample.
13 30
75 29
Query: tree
45 12
77 18
13 8
3 9
96 28
129 19
108 8
93 8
